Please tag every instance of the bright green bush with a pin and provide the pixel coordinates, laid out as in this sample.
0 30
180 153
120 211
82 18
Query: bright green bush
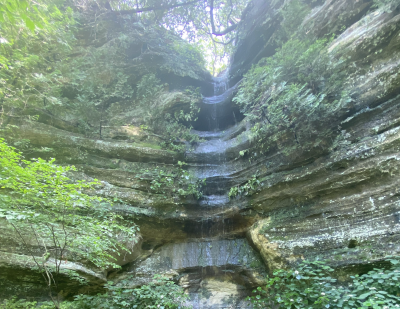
178 181
311 285
34 36
162 293
246 189
50 210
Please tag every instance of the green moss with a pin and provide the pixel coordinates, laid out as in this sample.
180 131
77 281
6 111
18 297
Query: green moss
149 145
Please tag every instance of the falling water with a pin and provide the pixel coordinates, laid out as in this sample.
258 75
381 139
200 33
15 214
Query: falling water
221 94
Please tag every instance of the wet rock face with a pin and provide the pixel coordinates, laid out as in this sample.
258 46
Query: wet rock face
327 196
213 253
218 112
216 273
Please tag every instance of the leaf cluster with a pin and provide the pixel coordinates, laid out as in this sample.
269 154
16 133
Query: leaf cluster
292 88
177 182
311 285
34 36
175 128
388 5
248 188
50 209
14 303
161 293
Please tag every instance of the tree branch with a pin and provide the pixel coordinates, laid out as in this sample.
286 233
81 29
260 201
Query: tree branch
222 43
215 32
155 8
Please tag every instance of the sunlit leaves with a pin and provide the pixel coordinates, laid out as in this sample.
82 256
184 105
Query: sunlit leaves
32 35
42 198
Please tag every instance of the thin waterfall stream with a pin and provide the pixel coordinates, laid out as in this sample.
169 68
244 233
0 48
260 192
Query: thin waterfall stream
216 195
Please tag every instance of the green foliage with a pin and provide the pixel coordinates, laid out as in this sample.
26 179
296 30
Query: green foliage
246 189
298 61
32 15
169 183
290 89
311 285
192 22
15 303
49 209
293 14
33 37
148 88
95 82
177 133
162 293
175 129
184 55
388 5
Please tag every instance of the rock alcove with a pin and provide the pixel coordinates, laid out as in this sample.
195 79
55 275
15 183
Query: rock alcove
323 196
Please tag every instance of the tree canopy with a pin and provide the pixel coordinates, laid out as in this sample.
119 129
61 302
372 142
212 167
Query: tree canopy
209 24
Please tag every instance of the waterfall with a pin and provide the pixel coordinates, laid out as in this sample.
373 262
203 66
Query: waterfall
221 249
215 196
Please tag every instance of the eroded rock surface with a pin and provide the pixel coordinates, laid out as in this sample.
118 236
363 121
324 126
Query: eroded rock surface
331 194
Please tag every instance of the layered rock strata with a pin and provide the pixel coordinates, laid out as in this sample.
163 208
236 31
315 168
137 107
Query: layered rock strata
332 194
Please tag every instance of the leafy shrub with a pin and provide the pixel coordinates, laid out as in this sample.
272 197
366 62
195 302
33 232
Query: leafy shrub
34 36
48 209
293 14
175 128
94 82
176 133
310 285
147 88
15 303
291 88
162 293
178 181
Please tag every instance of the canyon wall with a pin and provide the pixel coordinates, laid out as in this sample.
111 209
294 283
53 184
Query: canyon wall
330 193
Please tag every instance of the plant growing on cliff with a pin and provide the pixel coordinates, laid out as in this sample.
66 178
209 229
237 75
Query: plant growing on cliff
34 35
55 221
177 182
161 293
15 303
247 189
288 91
174 128
310 285
177 135
389 5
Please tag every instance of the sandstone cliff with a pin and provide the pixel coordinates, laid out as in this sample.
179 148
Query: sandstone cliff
330 192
